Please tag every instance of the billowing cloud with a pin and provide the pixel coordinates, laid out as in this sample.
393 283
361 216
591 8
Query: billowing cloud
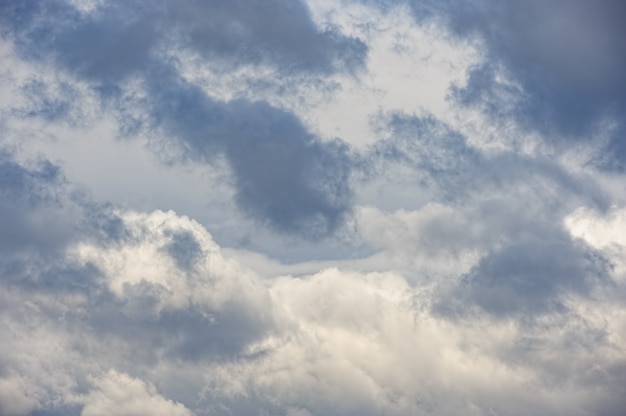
312 208
206 335
117 393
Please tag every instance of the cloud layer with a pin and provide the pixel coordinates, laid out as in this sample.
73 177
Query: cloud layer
312 208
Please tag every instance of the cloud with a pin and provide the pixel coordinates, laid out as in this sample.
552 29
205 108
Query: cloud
42 215
563 61
341 342
164 320
285 176
602 230
14 399
85 42
117 393
529 277
469 261
28 190
194 304
258 32
450 168
495 230
368 345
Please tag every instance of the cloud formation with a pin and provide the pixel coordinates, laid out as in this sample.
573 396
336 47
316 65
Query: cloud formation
205 335
283 174
115 42
566 59
116 393
458 250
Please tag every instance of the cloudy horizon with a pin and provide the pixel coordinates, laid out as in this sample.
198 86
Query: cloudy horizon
355 207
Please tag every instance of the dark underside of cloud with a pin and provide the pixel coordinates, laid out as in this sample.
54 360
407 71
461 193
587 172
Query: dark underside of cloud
531 262
527 279
568 56
283 174
285 177
42 218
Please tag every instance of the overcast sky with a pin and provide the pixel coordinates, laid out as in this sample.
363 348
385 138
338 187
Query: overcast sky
321 207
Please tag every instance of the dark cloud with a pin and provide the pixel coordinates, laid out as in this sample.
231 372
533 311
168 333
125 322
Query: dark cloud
263 32
526 278
568 56
184 249
41 215
28 201
118 39
193 333
284 176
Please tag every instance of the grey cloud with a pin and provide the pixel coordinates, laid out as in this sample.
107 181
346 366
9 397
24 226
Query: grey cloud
284 176
44 103
568 57
529 277
262 32
513 206
119 38
288 176
41 215
457 172
192 334
70 294
184 249
28 201
439 153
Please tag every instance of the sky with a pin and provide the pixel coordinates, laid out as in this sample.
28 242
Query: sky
316 207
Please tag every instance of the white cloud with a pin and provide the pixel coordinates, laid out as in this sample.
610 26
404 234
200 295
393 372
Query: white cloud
432 240
334 342
367 344
15 399
119 394
604 231
599 230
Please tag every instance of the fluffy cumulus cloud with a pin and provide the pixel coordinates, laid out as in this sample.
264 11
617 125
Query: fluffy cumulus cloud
301 208
116 393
